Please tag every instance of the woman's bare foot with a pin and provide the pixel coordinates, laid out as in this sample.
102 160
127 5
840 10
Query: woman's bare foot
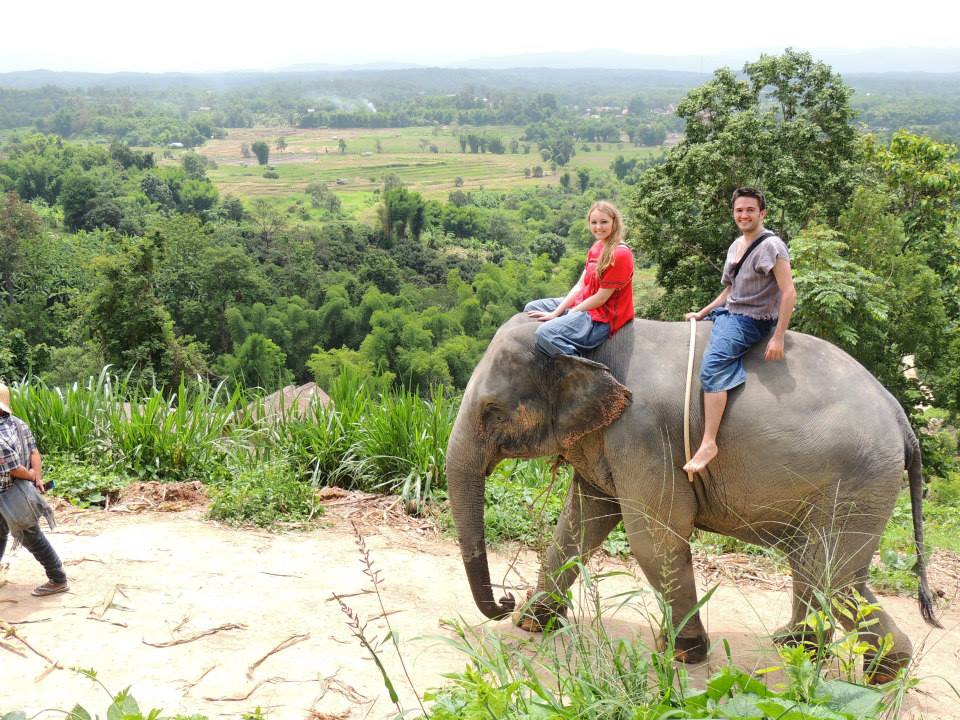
706 453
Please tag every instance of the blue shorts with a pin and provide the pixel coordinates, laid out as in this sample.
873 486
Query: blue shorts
571 334
732 336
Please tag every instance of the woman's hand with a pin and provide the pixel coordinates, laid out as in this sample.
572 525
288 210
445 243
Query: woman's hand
543 316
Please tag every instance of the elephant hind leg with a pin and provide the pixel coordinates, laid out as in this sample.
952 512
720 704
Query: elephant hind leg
587 518
835 567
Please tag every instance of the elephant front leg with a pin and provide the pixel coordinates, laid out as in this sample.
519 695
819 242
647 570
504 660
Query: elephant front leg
662 549
586 520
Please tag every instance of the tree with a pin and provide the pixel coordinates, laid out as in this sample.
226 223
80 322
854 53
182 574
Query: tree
317 192
621 166
402 213
197 196
262 151
342 145
131 325
378 146
77 196
583 179
281 144
194 165
257 362
19 224
332 204
549 244
327 365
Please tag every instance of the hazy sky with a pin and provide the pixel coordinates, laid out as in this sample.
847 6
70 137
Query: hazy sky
202 35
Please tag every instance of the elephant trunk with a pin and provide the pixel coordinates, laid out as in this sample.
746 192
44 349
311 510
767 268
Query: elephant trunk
466 478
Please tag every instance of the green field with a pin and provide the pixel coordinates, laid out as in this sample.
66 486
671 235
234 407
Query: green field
314 156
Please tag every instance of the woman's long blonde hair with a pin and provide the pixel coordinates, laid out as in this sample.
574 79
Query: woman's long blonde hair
616 233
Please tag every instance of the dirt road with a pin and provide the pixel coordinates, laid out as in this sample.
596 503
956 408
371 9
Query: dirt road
200 618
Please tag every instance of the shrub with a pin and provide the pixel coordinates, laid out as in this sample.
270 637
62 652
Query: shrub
265 495
83 484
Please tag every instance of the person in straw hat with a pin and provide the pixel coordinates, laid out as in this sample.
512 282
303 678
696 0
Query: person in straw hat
21 505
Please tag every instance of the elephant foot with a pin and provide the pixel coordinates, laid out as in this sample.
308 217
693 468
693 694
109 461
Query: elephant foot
887 669
688 650
538 613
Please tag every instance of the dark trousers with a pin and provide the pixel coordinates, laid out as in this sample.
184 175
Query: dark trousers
36 542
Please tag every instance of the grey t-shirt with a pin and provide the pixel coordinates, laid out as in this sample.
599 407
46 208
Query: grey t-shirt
755 292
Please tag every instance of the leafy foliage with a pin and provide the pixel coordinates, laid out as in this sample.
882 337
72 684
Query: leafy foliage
265 495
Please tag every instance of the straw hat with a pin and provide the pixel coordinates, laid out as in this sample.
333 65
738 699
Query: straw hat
5 399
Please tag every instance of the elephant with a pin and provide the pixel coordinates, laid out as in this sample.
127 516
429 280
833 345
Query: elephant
812 454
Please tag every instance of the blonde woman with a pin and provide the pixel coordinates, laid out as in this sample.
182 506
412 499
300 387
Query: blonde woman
602 300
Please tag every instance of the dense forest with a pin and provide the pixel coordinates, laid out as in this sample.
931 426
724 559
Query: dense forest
119 248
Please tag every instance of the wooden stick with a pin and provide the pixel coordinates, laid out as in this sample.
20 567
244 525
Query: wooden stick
289 642
187 687
205 633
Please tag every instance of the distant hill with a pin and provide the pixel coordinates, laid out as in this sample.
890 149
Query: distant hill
406 81
881 60
429 80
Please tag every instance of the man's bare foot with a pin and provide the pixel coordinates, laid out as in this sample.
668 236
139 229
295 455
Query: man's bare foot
706 453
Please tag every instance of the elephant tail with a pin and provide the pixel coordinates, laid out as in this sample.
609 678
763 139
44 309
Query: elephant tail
914 466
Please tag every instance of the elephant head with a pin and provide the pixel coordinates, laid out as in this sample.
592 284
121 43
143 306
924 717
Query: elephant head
518 404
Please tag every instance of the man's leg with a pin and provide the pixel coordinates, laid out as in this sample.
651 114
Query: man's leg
36 542
714 403
721 371
3 536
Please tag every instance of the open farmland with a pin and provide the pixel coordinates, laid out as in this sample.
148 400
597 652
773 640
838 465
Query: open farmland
314 156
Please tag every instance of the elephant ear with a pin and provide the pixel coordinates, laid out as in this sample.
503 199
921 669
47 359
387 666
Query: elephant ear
588 398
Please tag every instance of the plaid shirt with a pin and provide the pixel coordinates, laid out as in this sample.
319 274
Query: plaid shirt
12 454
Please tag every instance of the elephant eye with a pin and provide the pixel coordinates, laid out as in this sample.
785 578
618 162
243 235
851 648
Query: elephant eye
493 414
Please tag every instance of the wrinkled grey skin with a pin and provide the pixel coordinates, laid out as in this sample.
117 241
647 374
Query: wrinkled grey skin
812 453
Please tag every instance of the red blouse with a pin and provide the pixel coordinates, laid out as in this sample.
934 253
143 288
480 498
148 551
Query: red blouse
618 309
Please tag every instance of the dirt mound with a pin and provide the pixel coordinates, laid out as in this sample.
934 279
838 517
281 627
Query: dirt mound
161 497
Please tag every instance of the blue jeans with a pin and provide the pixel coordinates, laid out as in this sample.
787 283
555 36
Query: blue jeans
570 334
36 542
731 338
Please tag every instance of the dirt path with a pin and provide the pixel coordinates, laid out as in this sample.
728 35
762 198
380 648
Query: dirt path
152 577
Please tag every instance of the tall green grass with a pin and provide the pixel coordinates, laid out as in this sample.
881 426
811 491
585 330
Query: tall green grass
187 436
141 433
403 446
394 442
68 420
